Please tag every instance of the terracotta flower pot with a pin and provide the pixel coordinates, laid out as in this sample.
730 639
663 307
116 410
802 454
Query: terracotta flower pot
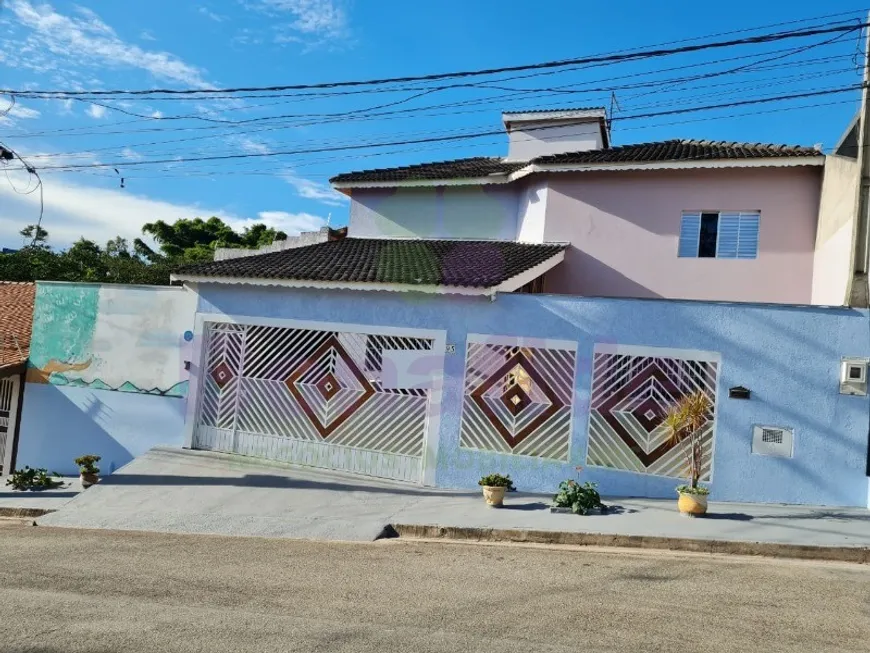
89 479
692 505
494 495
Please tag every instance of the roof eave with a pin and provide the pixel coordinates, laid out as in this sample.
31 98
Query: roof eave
411 183
532 168
760 162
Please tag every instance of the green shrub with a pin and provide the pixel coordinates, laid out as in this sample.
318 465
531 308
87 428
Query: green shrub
88 463
496 480
32 479
688 489
581 499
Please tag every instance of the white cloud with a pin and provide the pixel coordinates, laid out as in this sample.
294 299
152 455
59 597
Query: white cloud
315 190
74 211
146 35
157 114
313 22
8 114
96 111
251 146
131 154
85 40
26 113
306 188
313 16
208 13
290 223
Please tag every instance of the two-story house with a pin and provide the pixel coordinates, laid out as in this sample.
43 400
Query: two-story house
379 353
678 219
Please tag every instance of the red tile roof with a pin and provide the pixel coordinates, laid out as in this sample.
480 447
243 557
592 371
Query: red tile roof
16 321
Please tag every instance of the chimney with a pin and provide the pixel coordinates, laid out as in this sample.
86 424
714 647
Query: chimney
538 133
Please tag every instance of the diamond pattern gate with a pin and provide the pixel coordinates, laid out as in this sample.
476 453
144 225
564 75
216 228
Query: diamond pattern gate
313 397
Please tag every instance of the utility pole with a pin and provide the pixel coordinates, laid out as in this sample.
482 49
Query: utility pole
859 295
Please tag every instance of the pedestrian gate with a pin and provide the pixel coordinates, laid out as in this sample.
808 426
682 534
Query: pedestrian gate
316 397
9 388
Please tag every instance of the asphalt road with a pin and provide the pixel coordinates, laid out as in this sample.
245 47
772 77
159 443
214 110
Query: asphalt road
106 592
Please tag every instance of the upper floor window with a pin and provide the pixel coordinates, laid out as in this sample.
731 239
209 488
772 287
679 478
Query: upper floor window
719 235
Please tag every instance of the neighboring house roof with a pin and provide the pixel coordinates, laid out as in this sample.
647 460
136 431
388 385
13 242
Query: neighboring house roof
437 266
662 154
16 322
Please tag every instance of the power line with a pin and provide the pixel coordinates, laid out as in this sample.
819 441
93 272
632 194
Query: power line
253 155
628 56
39 186
77 131
761 84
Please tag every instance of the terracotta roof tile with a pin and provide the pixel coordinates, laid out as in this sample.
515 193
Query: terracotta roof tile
16 321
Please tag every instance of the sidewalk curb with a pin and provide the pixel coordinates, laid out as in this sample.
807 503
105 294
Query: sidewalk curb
28 513
860 555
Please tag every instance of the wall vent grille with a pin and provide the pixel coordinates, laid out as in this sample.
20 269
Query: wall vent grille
773 441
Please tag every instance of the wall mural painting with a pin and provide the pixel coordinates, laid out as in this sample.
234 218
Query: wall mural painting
518 397
124 338
632 389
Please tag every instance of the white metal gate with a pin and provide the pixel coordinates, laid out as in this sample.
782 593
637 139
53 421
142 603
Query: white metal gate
313 397
8 411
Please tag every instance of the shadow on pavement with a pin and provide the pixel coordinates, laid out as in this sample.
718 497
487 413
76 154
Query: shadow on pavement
729 516
535 505
272 481
38 493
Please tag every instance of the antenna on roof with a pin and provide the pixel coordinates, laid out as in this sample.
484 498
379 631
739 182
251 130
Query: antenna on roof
614 105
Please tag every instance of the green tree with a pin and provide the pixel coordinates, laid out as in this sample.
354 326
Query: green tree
196 239
184 241
36 235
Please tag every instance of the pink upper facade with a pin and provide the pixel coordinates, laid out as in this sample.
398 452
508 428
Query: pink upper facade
675 219
624 230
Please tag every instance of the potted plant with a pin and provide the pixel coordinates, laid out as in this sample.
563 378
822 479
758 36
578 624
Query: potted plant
88 470
494 487
580 499
684 422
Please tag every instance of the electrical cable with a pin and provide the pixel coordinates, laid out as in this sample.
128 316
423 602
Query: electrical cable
627 56
251 155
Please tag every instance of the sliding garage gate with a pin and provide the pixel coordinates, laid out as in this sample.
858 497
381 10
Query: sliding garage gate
333 399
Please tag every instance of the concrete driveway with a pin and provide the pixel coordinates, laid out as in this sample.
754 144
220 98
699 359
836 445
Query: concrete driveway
172 490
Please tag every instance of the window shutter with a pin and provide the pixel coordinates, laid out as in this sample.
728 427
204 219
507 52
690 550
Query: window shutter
690 231
729 232
748 243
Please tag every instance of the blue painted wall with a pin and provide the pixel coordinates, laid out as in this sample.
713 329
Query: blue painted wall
788 356
60 423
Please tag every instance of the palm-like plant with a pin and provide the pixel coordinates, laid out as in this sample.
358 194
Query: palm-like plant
684 422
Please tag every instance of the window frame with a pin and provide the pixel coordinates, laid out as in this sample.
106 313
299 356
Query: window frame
739 215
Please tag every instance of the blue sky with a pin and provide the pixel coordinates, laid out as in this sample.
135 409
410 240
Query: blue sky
106 44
